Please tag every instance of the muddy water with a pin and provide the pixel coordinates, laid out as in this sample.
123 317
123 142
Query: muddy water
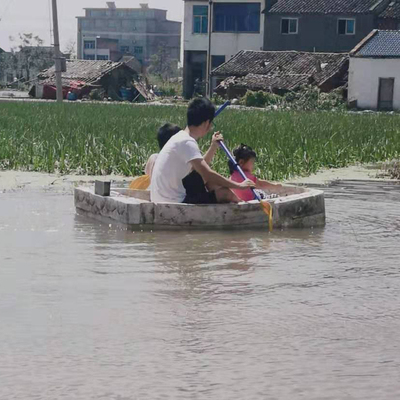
90 312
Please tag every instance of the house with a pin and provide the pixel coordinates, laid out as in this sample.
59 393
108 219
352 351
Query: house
389 18
82 76
374 74
280 71
324 25
108 33
235 25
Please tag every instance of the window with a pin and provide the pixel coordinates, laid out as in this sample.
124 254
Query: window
200 19
138 49
216 61
124 49
88 57
112 23
89 44
289 26
102 58
346 26
237 17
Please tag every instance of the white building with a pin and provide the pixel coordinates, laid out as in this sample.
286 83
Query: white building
235 25
374 73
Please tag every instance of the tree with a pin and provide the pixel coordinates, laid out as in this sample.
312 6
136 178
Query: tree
29 57
162 65
70 50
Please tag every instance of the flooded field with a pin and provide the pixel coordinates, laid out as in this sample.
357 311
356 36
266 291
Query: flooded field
91 312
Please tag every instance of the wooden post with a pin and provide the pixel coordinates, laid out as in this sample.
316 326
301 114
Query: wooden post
57 53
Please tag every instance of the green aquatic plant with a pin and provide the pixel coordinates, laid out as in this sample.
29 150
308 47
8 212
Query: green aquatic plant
111 138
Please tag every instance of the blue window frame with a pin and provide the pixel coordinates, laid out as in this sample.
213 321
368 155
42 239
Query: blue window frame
237 17
102 58
200 19
88 57
138 50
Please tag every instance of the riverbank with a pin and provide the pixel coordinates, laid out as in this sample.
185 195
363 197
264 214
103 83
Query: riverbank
23 180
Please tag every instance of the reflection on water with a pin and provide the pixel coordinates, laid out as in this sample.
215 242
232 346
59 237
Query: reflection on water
90 311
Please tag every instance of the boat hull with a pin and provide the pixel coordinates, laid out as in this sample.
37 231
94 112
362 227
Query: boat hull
298 208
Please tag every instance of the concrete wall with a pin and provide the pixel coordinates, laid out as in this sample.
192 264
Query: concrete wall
364 77
316 33
222 44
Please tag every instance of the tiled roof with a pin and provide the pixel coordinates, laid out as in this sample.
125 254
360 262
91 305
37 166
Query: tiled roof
392 10
384 44
259 70
325 6
84 71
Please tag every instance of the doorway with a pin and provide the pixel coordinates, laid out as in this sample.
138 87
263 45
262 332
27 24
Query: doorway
386 91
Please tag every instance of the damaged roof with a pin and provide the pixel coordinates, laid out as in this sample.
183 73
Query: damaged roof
392 11
326 6
281 69
86 72
379 44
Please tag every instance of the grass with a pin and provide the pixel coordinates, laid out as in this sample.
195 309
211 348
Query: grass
103 139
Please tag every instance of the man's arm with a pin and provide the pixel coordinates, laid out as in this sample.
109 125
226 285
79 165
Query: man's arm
212 177
208 157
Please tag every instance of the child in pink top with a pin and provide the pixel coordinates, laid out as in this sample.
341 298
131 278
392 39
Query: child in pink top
245 156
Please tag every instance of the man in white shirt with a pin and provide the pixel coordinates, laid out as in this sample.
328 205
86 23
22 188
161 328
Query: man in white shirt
181 155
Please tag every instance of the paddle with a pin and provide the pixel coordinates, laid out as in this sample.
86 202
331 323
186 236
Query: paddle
267 207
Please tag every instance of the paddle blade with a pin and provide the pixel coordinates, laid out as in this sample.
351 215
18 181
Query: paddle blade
141 183
267 208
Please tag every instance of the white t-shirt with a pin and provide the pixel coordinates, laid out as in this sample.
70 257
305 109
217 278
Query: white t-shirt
148 170
172 165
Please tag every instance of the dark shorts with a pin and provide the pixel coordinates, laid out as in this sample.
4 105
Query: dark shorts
196 191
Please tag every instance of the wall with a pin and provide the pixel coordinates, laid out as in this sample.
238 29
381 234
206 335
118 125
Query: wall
130 30
227 44
364 77
222 44
316 33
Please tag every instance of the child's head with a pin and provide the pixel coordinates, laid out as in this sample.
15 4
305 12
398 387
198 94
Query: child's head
201 113
165 133
245 156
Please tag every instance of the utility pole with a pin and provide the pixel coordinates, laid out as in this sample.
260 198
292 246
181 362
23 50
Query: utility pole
57 53
208 82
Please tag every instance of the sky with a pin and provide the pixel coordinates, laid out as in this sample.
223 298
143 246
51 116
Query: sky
32 16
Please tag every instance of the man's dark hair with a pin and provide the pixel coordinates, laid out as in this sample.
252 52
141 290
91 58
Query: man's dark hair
166 132
243 152
200 110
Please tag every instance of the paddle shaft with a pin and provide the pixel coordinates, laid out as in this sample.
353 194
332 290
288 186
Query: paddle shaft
228 153
222 108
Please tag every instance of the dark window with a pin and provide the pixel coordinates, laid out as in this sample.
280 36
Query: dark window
102 58
289 26
88 57
346 26
124 49
89 44
138 49
237 17
200 19
216 61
